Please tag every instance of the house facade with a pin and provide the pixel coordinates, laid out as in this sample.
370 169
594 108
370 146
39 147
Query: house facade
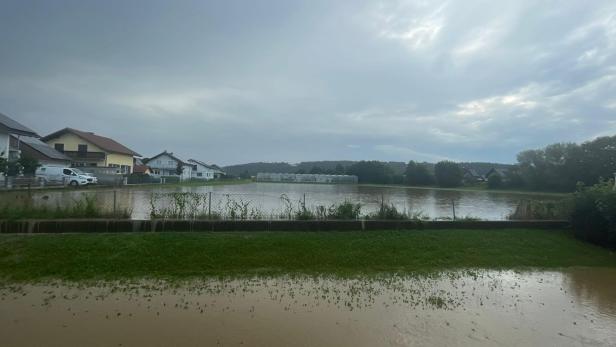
201 170
8 128
89 149
166 164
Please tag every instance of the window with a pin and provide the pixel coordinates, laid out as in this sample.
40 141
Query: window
68 172
199 174
82 148
59 147
170 162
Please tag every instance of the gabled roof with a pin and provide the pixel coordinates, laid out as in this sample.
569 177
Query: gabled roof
169 154
201 163
42 148
497 170
102 142
14 127
141 169
211 167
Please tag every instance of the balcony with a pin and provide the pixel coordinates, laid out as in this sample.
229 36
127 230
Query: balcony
85 156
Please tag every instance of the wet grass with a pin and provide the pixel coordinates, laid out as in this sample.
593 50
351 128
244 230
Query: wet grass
177 256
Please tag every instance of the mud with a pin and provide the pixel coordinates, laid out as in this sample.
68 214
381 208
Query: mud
564 308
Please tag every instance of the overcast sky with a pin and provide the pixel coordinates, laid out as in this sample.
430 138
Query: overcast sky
241 81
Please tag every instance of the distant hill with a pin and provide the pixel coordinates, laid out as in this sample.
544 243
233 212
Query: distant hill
398 167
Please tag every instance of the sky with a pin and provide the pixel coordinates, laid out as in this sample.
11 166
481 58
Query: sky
230 82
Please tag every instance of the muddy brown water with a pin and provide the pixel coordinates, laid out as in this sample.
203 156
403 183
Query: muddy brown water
493 308
266 198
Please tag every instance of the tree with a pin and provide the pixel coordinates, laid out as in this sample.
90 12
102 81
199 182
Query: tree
560 166
179 169
371 172
418 175
339 170
29 165
316 170
448 174
495 181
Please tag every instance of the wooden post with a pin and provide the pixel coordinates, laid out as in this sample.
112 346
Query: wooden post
453 208
209 206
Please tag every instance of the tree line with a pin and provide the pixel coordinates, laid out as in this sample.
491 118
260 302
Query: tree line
559 167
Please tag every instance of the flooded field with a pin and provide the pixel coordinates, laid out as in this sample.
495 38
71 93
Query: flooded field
268 199
561 308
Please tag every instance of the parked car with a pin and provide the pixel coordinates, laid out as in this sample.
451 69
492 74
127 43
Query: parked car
91 178
62 175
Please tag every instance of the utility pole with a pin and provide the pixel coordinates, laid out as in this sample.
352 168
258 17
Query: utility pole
614 187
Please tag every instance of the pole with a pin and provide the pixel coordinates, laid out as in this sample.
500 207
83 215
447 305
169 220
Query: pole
209 206
304 201
453 208
114 202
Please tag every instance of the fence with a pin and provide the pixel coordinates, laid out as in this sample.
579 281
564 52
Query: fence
184 203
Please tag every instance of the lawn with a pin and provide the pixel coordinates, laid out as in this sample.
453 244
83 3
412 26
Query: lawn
190 255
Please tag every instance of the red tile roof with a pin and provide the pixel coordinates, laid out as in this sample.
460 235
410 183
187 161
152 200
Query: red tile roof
141 169
104 143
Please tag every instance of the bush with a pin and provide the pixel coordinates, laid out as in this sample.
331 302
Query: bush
388 212
594 214
345 210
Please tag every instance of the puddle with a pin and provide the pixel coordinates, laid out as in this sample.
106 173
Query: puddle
570 308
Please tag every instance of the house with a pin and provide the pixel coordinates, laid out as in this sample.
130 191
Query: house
9 127
202 171
34 148
471 175
89 149
218 172
167 164
139 167
503 173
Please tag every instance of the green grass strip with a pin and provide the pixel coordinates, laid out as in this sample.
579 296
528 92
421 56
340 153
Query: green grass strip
172 256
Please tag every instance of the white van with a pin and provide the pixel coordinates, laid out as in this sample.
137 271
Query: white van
62 175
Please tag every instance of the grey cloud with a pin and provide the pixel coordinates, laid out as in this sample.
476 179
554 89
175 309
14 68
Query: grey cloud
230 82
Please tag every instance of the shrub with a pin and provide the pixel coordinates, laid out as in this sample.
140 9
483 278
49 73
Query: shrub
345 210
594 214
389 212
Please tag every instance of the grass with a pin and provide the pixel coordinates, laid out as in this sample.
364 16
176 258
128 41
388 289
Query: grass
171 256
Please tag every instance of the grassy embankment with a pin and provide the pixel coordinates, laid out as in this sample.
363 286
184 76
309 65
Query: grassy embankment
176 256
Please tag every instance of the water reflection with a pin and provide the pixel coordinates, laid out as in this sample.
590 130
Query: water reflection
434 203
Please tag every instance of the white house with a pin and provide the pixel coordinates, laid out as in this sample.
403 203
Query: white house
166 164
202 171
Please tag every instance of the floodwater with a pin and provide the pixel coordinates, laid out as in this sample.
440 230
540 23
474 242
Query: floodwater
266 197
561 308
